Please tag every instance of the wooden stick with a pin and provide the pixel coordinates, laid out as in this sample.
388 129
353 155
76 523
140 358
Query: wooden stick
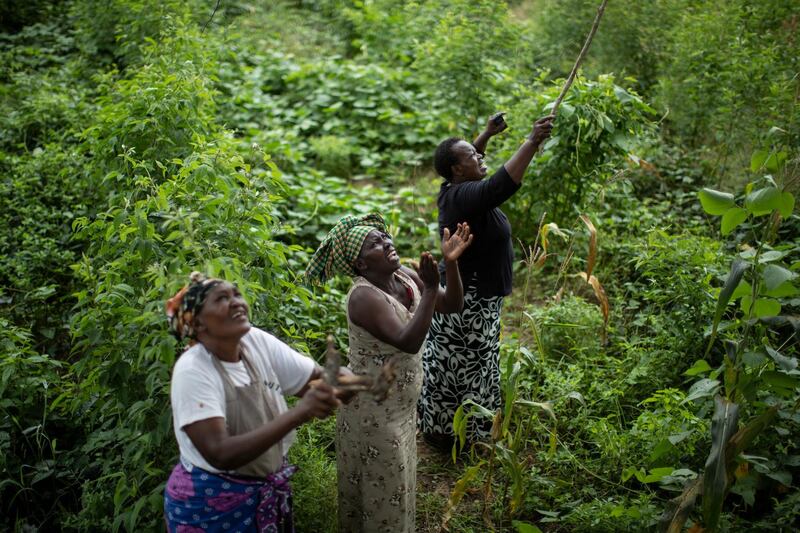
572 74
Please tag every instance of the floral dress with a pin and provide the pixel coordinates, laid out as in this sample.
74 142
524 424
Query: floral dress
376 444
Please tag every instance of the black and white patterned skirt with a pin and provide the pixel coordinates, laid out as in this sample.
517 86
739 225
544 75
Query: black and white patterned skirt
460 362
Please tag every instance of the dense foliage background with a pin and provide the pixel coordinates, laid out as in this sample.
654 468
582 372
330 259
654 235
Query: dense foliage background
649 350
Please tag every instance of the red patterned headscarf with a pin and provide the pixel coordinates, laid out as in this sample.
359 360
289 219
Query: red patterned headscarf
187 303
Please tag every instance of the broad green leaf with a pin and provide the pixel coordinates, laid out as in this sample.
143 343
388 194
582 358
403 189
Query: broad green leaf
786 204
748 253
763 307
525 527
743 289
661 448
771 255
732 218
738 268
758 159
780 382
764 201
781 476
775 161
753 359
678 437
715 202
698 367
715 478
657 473
631 471
766 307
786 363
775 275
702 389
783 290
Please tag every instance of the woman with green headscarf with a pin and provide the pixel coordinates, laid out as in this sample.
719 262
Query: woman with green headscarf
389 311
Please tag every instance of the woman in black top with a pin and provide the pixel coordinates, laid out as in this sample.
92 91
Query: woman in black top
460 361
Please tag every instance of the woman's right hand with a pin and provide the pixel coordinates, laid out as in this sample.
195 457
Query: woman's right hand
496 124
319 401
541 130
428 271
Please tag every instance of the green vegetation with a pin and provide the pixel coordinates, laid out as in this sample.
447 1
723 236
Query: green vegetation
650 368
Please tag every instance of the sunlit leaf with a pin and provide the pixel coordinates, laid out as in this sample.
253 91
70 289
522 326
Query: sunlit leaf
743 289
764 307
732 218
700 366
764 201
715 202
656 474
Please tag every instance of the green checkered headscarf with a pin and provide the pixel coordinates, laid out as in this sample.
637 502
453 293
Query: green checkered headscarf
340 248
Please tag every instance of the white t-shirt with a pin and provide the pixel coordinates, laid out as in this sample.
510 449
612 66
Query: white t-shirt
197 391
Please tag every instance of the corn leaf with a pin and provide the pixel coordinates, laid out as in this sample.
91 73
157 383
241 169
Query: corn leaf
738 268
716 479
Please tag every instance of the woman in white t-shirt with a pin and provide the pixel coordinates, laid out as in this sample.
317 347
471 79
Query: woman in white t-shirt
231 421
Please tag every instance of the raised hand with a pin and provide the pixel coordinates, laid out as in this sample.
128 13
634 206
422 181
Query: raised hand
319 401
496 124
541 130
428 271
454 245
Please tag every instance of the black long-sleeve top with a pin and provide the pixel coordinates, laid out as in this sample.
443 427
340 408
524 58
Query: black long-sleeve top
487 263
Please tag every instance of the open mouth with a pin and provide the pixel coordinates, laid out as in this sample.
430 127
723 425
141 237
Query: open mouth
239 315
392 255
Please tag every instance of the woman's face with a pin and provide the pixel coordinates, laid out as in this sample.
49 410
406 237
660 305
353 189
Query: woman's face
224 314
378 253
470 165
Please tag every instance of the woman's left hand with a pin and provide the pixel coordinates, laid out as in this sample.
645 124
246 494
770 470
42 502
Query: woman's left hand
454 245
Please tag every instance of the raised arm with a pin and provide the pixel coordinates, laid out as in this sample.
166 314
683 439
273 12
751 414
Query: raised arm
451 298
522 157
494 125
228 452
369 309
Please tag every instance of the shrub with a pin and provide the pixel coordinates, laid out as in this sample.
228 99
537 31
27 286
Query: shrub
332 155
598 125
570 328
